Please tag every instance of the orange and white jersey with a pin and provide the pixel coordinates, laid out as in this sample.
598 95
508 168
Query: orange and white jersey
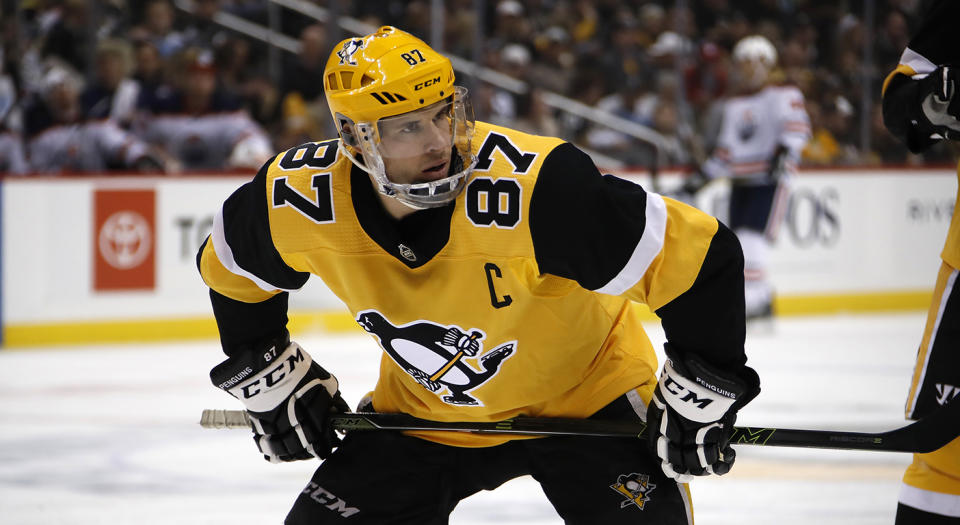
753 127
89 146
13 160
204 141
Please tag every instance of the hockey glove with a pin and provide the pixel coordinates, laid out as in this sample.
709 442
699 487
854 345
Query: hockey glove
940 102
691 416
289 399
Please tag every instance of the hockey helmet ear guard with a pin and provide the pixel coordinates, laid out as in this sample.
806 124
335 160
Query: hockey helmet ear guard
392 96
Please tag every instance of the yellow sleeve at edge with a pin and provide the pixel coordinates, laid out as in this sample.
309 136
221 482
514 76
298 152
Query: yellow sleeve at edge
227 283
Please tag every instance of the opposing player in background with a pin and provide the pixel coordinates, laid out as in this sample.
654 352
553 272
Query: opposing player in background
921 106
762 133
501 273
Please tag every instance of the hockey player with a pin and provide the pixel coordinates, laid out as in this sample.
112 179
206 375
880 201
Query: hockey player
762 132
921 106
501 274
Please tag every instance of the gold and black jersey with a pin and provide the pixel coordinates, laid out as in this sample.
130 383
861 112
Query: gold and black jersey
520 297
935 44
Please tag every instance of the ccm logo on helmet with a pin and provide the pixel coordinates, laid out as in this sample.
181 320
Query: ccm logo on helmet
426 83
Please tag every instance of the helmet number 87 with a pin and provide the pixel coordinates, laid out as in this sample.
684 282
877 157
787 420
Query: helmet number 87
411 59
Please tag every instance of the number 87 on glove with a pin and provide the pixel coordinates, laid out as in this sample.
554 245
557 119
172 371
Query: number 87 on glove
691 417
288 396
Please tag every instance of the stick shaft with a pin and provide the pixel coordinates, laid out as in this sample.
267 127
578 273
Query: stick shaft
926 435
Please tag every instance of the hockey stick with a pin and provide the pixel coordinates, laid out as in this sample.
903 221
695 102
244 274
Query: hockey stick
926 435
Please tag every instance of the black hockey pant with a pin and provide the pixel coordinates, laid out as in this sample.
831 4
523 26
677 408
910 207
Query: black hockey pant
383 477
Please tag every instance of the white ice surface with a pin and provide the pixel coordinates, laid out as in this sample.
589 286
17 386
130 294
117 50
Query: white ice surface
109 435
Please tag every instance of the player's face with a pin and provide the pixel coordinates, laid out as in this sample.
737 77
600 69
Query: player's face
753 73
416 146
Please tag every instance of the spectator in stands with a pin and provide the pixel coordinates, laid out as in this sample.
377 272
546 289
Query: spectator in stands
534 116
587 88
13 161
707 78
585 29
113 93
203 126
822 149
514 59
510 23
200 29
61 141
149 71
242 70
12 158
304 110
554 60
69 38
838 119
891 39
651 21
623 58
634 101
157 28
460 27
824 40
666 121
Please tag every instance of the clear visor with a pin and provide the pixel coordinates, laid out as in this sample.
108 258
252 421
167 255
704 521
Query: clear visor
431 145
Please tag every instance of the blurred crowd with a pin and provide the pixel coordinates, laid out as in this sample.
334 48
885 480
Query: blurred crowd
160 85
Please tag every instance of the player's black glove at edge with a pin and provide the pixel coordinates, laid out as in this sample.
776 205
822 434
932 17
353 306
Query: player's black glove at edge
691 416
940 101
289 399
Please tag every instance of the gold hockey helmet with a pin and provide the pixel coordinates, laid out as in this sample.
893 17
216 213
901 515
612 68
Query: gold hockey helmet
389 77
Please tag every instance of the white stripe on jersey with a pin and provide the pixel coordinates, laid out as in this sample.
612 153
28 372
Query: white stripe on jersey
927 501
225 256
650 244
951 282
917 62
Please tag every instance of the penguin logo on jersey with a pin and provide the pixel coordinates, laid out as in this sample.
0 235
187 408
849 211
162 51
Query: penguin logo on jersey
437 356
636 488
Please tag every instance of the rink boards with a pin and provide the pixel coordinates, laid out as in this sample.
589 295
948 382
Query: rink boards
88 259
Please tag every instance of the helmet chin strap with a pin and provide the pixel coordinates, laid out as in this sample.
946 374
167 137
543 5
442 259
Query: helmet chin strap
398 191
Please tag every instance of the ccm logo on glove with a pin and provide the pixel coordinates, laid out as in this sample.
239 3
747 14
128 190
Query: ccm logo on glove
691 397
704 405
265 390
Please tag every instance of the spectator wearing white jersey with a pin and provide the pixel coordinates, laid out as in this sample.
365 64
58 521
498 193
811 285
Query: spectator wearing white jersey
201 125
12 158
113 93
762 133
60 140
